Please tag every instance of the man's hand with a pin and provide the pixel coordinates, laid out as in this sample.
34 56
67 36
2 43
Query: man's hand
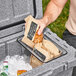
52 12
42 24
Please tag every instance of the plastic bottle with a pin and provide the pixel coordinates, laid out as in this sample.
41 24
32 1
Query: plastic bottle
3 74
4 70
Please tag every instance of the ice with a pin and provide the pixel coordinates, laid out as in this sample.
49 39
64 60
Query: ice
16 63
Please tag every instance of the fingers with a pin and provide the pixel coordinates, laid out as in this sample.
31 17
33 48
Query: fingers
41 27
41 30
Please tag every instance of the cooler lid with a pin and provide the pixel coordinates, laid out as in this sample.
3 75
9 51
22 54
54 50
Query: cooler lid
14 11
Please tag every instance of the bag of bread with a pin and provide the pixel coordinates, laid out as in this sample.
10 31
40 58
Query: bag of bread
46 51
34 62
31 28
42 52
51 47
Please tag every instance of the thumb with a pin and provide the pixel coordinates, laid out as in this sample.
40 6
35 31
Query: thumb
40 30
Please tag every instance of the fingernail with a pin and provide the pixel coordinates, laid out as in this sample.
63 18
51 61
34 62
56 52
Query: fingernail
38 33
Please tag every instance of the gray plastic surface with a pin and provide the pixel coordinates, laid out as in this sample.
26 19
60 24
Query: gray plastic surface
62 66
14 48
10 46
2 51
11 30
13 11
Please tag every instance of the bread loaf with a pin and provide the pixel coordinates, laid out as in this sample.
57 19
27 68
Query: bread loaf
51 47
34 62
38 38
43 52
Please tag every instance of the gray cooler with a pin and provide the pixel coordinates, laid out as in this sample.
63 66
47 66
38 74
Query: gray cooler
12 14
61 66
